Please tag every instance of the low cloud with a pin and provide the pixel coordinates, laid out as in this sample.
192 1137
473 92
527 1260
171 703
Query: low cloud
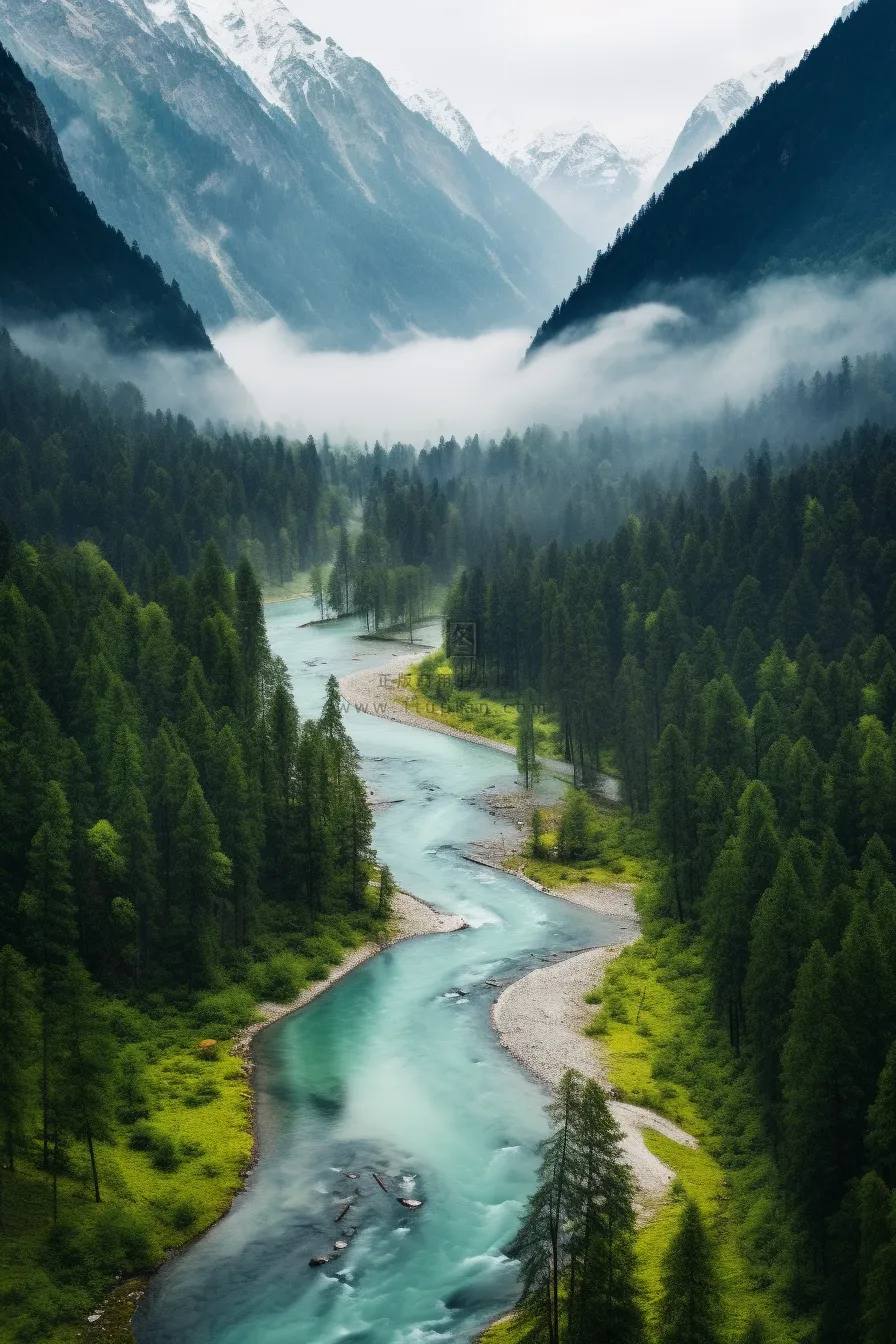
197 384
649 364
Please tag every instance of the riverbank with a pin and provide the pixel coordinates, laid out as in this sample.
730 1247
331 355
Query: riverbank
541 1019
378 691
411 918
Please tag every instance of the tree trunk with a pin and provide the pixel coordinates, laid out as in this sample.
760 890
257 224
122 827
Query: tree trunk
96 1183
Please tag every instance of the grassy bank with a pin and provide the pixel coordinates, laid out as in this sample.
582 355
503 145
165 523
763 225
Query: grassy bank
432 692
665 1050
173 1153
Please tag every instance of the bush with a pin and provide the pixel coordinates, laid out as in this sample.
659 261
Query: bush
164 1153
183 1214
277 980
206 1092
133 1096
222 1015
123 1241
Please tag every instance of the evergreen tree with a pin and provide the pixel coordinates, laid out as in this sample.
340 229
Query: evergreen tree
526 760
17 1037
813 1164
881 1141
690 1308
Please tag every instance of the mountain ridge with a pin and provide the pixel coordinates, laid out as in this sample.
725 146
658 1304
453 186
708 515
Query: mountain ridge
804 182
334 207
57 255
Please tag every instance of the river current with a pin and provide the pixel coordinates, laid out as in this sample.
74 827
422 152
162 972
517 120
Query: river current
393 1072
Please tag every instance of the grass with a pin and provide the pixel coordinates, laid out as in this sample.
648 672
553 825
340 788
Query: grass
621 852
433 695
178 1142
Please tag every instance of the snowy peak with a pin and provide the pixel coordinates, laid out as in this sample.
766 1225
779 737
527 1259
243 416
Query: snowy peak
263 38
577 153
715 114
439 111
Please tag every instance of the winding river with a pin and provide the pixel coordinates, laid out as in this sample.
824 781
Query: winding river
390 1071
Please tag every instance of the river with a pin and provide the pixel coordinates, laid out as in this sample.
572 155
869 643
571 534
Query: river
391 1072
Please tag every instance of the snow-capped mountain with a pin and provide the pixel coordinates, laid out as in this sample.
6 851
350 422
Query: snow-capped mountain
439 111
592 183
273 173
718 111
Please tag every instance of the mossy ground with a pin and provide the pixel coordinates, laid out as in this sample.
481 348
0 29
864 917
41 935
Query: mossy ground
177 1145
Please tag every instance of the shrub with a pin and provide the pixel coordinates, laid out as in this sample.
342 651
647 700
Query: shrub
183 1214
164 1154
221 1015
277 980
206 1092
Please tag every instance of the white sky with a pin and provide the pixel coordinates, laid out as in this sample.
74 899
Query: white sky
632 67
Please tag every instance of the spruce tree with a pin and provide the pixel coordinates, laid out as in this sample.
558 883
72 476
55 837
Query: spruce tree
690 1307
526 761
18 1033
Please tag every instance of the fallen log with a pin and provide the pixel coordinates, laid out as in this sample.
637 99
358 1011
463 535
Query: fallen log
339 1217
381 1183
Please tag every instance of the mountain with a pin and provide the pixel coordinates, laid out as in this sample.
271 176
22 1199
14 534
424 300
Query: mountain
275 174
57 256
718 111
591 183
439 111
805 182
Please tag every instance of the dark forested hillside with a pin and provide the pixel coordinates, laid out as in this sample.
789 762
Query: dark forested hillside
56 254
148 487
805 182
734 647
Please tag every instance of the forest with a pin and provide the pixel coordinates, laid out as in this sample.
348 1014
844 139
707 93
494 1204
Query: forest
177 844
730 651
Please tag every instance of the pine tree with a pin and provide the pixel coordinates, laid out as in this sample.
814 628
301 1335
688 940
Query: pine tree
48 907
201 874
674 811
18 1032
778 945
387 893
881 1139
810 1068
690 1309
526 760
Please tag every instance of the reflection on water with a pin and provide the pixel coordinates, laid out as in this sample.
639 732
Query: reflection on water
391 1075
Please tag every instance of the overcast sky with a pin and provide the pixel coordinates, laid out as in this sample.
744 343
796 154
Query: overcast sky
632 67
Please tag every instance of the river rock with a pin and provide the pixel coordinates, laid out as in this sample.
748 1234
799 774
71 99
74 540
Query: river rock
412 1203
317 1260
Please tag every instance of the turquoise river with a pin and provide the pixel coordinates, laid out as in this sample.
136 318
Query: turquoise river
388 1072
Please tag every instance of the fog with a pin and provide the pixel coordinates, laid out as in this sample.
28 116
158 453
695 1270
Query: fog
647 364
197 384
650 365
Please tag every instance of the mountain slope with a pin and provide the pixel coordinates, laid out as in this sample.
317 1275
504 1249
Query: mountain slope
718 111
805 182
56 254
276 174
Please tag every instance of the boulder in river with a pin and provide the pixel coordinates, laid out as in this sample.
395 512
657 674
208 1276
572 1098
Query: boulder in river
412 1203
317 1260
